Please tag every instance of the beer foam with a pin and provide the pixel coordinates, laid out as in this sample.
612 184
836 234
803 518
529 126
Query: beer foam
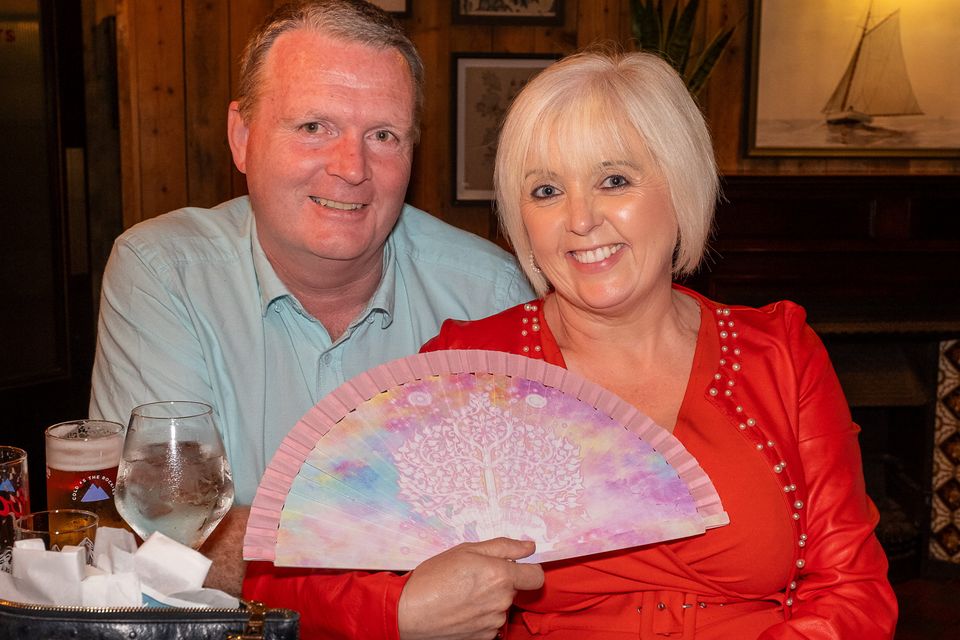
68 450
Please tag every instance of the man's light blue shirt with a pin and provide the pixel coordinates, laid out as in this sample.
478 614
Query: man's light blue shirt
192 309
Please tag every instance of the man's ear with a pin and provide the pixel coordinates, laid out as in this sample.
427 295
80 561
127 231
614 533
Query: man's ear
237 134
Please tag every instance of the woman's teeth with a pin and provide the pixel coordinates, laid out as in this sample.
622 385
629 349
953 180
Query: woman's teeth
596 255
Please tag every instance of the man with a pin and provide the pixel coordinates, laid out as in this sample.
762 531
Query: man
264 304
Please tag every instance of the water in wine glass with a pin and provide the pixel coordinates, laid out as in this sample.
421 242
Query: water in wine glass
173 477
176 488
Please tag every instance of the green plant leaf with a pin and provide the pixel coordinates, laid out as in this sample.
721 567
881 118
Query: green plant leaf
667 34
678 46
705 63
646 24
671 38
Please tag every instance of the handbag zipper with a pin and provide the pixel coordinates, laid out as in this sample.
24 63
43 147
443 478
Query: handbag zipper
253 626
247 606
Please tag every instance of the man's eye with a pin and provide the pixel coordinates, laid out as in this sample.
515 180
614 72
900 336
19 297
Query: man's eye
384 136
545 191
311 127
614 182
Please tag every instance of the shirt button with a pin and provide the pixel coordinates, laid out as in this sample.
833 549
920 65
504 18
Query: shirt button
326 359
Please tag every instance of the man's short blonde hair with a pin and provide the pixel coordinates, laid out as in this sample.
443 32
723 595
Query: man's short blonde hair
349 20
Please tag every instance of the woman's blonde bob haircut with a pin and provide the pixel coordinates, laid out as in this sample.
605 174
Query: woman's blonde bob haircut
595 106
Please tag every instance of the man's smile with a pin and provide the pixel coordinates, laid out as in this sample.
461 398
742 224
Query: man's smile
333 204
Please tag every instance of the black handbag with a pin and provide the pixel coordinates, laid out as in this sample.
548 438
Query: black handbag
252 621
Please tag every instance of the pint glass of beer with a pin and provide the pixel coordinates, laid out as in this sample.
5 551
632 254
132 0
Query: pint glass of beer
82 460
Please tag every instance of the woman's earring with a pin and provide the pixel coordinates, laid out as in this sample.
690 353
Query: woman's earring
533 264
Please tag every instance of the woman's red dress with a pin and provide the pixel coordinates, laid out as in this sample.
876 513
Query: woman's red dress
764 415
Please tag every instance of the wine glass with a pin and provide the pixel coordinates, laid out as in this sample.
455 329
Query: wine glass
174 476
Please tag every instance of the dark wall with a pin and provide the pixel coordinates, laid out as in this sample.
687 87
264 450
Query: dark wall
46 330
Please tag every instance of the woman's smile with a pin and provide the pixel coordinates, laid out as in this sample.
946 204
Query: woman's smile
599 254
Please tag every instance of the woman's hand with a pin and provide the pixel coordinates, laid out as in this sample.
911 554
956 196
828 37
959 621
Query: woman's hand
464 593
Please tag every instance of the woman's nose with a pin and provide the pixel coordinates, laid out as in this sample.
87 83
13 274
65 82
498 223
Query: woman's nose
582 216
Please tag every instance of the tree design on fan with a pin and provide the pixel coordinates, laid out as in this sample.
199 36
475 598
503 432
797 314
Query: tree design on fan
426 452
486 473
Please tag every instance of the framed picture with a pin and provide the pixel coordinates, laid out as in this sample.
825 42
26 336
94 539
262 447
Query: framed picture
855 78
484 86
508 11
399 8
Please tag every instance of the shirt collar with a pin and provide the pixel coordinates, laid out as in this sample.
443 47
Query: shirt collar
384 298
272 288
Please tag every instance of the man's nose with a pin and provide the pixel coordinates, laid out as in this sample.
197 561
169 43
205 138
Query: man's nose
348 159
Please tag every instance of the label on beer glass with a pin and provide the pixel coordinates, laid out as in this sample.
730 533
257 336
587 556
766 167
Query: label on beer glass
79 489
82 468
14 498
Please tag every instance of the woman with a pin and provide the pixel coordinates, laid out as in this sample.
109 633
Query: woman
606 184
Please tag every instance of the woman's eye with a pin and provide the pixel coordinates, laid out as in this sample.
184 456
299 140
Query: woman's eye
614 181
545 191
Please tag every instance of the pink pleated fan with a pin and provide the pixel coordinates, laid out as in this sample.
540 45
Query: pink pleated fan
425 452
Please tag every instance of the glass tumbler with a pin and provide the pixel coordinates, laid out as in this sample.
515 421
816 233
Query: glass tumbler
14 498
59 528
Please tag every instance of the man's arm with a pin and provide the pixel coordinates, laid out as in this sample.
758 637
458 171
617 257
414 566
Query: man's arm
224 548
147 347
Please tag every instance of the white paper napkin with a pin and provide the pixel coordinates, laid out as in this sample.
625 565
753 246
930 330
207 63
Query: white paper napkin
55 575
162 572
165 566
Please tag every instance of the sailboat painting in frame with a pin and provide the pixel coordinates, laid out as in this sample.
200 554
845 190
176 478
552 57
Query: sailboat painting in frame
855 78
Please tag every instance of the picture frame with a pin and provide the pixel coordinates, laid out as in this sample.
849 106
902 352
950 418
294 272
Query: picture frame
484 85
492 12
399 8
861 78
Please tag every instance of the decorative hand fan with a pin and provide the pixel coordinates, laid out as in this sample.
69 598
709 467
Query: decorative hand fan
425 452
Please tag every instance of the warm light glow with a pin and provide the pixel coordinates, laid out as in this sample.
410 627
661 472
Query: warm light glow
826 32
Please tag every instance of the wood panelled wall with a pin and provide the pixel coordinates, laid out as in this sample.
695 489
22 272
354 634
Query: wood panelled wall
177 73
